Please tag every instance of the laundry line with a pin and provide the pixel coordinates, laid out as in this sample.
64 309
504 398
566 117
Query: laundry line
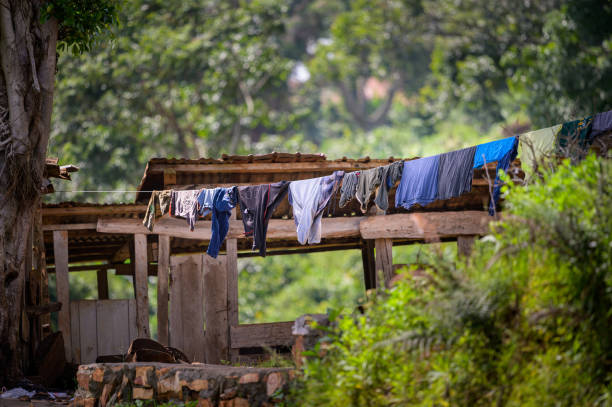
101 191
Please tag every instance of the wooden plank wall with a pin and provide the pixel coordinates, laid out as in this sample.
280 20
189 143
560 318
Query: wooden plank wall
101 327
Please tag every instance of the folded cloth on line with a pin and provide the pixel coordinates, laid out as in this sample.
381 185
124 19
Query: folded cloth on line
602 123
160 198
219 201
368 181
419 183
309 199
504 152
348 188
257 202
185 205
390 175
537 144
455 173
575 138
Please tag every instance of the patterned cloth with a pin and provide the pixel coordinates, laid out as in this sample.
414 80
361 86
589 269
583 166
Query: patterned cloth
185 205
161 199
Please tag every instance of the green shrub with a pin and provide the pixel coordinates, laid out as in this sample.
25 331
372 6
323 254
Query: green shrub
525 321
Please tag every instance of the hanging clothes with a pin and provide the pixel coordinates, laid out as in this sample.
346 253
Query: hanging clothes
348 188
390 175
184 204
574 139
602 123
537 144
368 181
504 152
219 201
160 198
309 199
455 173
257 202
419 182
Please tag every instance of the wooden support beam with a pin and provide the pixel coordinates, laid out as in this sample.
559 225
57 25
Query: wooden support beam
99 210
428 226
257 335
465 245
278 229
70 226
38 310
163 268
369 264
102 284
120 269
60 253
140 285
267 168
215 308
384 261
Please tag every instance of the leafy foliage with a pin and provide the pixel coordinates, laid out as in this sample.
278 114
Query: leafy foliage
82 23
524 322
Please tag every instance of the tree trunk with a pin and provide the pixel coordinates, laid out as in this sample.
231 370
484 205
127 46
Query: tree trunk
28 59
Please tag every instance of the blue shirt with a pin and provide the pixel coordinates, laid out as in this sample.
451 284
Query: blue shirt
419 183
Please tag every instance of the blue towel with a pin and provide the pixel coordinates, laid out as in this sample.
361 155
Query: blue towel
504 152
492 151
419 183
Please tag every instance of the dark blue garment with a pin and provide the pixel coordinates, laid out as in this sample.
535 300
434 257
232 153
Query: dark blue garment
602 123
504 152
220 202
419 182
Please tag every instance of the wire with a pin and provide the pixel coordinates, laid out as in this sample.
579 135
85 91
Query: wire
104 191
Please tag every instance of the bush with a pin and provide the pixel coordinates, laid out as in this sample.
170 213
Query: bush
525 321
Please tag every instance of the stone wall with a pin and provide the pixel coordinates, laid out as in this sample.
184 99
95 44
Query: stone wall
211 385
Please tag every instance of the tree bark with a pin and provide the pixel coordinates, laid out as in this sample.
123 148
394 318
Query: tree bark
28 61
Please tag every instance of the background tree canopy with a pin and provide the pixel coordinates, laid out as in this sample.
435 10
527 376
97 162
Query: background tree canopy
347 78
200 78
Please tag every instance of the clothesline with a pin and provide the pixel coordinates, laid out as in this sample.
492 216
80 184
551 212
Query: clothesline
421 181
100 191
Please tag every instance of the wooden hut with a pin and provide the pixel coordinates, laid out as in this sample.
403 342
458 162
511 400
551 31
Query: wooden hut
81 237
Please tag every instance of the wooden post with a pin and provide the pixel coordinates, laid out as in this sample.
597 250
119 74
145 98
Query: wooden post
186 306
465 245
163 265
369 265
384 261
215 308
60 253
140 285
232 288
41 266
102 284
